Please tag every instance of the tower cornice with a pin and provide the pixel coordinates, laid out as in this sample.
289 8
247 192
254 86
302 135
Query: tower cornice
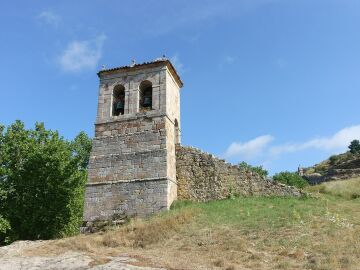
145 65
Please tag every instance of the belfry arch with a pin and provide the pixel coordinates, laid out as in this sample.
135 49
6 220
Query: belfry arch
118 104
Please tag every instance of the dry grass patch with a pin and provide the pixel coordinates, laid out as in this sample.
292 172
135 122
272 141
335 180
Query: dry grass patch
139 233
348 189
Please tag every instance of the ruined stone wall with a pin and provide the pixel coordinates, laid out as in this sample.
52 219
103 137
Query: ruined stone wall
203 177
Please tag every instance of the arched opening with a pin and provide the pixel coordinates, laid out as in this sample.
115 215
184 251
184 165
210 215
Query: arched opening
145 102
176 132
118 100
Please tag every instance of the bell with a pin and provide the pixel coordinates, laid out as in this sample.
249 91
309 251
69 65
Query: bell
119 105
147 102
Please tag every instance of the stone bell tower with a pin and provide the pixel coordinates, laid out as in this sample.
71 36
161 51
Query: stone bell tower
132 168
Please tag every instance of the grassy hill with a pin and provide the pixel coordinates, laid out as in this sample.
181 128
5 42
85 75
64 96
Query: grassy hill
242 233
342 166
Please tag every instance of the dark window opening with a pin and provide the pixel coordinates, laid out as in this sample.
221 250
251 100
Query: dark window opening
145 96
177 132
118 100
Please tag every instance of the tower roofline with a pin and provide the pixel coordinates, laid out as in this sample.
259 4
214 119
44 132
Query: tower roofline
144 65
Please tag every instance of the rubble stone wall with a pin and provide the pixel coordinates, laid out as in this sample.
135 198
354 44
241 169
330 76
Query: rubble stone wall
203 177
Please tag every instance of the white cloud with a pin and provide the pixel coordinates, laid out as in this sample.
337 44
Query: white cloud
81 55
250 149
175 60
185 14
49 17
337 142
261 149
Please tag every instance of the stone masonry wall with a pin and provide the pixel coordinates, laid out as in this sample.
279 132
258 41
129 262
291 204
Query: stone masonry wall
125 199
203 177
128 171
129 150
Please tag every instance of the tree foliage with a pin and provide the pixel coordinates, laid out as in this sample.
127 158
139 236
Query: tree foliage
256 169
290 179
42 178
354 147
4 229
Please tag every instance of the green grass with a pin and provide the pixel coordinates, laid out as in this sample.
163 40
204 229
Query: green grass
258 212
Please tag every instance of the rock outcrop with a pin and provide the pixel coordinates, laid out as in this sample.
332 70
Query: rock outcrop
15 256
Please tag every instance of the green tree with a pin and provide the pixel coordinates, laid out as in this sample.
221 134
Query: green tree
354 147
43 176
256 169
290 179
81 147
4 223
4 230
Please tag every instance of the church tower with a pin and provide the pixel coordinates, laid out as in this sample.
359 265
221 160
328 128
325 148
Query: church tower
132 167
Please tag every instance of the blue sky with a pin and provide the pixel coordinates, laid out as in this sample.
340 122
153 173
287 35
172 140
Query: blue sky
272 82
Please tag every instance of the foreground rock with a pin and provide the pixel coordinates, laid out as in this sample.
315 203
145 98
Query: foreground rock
15 257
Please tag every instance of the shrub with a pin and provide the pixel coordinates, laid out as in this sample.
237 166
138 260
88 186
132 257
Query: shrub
354 147
290 179
334 159
321 168
310 171
256 169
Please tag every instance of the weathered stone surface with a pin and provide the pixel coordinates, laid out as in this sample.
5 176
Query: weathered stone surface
134 198
203 177
14 257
